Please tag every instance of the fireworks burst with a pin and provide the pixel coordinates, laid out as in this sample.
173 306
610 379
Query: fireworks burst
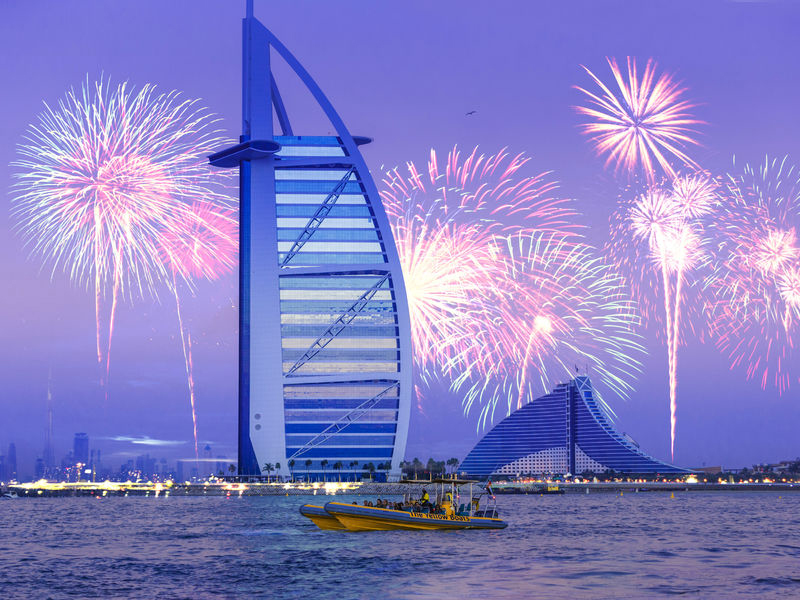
107 180
444 219
504 300
644 124
755 310
659 239
558 307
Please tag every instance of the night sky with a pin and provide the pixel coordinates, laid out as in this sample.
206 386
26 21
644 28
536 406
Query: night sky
405 74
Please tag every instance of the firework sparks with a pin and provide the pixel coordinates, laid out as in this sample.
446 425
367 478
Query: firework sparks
660 235
103 177
644 124
205 247
559 306
444 219
755 312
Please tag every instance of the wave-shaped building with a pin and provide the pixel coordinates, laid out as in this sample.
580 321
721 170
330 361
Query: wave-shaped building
565 431
324 331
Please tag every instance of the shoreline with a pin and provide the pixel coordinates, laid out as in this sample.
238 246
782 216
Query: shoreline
107 489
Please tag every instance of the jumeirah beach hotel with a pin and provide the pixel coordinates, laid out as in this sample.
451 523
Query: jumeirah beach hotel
565 431
324 332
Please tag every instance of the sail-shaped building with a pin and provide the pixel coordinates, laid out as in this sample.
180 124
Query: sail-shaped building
565 431
324 332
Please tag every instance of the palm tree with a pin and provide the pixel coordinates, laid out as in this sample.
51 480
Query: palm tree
353 466
338 466
268 467
453 464
308 465
370 468
417 464
232 469
277 468
323 464
291 468
431 467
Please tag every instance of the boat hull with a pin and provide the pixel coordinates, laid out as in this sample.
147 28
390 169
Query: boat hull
367 518
321 517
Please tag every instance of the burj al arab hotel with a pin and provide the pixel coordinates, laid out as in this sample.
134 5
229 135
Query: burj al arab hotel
324 332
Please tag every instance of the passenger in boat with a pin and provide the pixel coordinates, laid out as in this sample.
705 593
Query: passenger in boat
447 505
426 499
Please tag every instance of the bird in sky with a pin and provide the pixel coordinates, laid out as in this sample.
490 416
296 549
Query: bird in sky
472 112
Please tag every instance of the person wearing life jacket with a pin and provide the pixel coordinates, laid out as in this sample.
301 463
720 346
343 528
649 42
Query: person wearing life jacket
426 499
447 505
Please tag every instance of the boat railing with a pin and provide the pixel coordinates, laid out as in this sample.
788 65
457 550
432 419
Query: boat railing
489 509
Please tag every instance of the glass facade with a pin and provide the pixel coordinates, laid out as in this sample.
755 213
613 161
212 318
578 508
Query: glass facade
334 323
565 431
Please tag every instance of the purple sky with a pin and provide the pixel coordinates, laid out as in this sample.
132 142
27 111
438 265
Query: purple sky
403 73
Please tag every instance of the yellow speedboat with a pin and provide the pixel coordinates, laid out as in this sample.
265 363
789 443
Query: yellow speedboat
321 517
441 515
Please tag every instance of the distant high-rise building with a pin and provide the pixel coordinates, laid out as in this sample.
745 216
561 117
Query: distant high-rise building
80 448
38 469
49 455
145 465
94 462
11 461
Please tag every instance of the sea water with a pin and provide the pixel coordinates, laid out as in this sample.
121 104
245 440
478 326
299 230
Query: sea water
601 545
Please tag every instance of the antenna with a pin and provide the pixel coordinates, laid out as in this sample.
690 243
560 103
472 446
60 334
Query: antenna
249 9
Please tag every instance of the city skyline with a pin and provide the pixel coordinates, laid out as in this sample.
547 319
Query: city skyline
722 416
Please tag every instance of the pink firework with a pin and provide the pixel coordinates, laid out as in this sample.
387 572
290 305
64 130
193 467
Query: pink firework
644 124
206 247
755 308
444 218
660 241
103 177
559 307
